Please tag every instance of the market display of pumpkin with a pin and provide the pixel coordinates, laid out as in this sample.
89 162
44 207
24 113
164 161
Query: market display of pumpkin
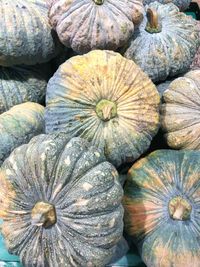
86 25
162 212
106 99
180 114
61 203
165 42
25 33
84 87
19 125
181 4
21 84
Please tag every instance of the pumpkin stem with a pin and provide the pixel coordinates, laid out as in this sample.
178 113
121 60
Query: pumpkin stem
153 26
106 110
98 2
179 209
43 214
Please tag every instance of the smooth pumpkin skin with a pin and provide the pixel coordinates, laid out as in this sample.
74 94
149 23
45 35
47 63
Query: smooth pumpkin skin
19 125
84 189
152 183
26 35
180 113
181 4
21 84
169 52
83 83
84 25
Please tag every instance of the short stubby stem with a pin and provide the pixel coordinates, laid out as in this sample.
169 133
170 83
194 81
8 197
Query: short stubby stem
153 25
43 214
106 109
98 2
179 209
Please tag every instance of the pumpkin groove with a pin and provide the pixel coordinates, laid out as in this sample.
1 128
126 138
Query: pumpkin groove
66 200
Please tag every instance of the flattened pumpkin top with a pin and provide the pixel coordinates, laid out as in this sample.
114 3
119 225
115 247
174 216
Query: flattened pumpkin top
106 99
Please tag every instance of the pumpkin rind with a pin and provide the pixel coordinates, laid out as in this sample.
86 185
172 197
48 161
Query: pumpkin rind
84 189
169 52
25 34
196 61
85 25
19 125
106 99
152 183
180 114
181 4
21 84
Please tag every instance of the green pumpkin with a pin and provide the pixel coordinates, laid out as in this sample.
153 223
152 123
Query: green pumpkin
181 4
162 212
196 61
21 84
19 125
180 113
86 25
106 99
165 43
25 34
61 203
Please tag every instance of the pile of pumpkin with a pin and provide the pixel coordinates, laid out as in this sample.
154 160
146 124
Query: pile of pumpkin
81 100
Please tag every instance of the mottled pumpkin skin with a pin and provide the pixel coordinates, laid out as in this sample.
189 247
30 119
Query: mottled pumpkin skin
181 4
84 189
152 183
84 25
21 84
82 82
19 125
25 33
169 52
180 114
196 61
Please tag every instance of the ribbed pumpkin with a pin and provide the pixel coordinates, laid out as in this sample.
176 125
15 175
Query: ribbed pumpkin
180 115
25 34
181 4
61 203
19 125
107 99
162 211
86 25
165 43
21 84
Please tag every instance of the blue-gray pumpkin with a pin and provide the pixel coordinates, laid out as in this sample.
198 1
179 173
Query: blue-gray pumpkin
21 84
61 203
165 43
18 125
26 36
181 4
106 99
162 211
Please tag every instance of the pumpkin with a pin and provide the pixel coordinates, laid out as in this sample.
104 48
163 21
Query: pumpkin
86 25
181 4
61 203
19 125
180 114
162 212
165 43
196 61
21 84
106 99
25 34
